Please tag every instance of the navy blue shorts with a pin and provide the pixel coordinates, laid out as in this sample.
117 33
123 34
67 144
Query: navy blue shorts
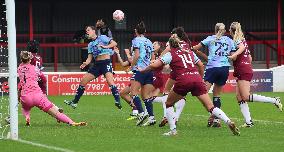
101 67
217 75
143 78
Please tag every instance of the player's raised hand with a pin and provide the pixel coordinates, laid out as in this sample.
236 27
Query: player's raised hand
116 50
127 51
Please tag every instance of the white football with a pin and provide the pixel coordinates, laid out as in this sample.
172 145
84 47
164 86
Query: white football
118 15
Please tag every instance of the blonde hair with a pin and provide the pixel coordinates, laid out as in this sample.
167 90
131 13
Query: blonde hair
236 31
25 56
220 30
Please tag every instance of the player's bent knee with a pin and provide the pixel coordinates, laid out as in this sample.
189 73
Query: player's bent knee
85 80
83 83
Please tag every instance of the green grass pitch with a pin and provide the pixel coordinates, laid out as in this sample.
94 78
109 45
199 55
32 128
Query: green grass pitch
108 129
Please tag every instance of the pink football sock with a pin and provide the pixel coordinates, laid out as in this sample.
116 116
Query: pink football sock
26 113
63 118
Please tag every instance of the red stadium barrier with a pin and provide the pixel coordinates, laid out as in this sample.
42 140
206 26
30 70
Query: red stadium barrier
67 83
268 43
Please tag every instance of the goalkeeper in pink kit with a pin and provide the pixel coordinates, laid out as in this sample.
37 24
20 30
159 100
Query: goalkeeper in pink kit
31 94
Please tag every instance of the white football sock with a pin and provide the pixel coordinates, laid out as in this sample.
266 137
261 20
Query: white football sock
164 99
165 109
134 112
245 111
221 115
260 98
171 118
158 99
179 107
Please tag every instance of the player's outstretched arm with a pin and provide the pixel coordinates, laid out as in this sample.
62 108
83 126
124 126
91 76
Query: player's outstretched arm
129 57
241 48
196 49
123 63
110 45
167 49
87 62
156 64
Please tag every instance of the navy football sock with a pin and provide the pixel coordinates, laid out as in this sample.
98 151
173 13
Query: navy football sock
137 103
217 102
132 105
149 105
79 93
115 93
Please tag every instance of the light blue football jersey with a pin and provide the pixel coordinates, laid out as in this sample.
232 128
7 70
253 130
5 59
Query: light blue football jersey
145 47
93 47
219 49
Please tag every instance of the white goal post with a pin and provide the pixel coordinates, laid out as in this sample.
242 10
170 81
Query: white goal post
12 62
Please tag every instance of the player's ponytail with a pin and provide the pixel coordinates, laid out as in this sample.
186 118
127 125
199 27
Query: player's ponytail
174 41
220 30
182 35
140 28
236 31
25 56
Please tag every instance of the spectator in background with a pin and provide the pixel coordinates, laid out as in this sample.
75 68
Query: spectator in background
81 37
102 28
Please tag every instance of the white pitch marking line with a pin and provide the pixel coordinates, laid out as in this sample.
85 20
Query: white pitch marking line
44 146
239 119
262 121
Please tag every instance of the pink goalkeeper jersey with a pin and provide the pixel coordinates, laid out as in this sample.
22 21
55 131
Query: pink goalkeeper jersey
28 75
